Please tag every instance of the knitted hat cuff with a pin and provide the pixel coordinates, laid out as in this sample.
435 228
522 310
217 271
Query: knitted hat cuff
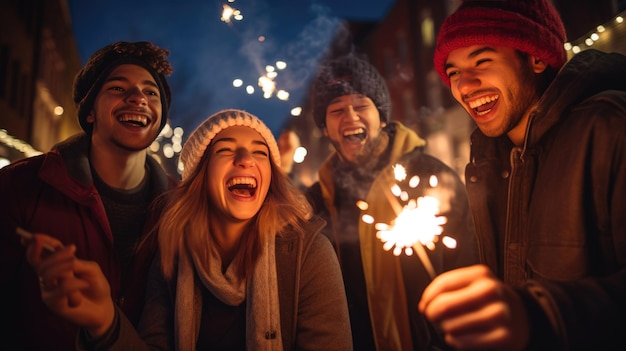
198 142
347 75
497 27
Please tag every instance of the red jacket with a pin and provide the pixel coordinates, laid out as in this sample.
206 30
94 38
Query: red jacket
54 194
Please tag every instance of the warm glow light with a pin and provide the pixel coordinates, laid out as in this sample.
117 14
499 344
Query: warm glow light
227 13
396 190
267 85
250 89
362 205
399 173
17 144
449 242
282 95
167 131
154 147
58 110
296 111
168 151
367 219
237 83
433 181
300 154
281 64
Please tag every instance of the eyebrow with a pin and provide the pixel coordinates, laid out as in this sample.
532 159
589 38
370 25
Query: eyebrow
124 79
473 54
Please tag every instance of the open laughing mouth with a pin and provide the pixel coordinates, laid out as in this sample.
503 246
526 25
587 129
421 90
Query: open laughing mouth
136 120
484 105
355 135
242 186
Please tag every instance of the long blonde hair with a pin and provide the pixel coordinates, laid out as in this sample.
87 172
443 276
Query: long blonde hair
184 225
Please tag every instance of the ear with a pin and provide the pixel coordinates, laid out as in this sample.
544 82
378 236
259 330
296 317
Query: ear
325 130
90 118
537 64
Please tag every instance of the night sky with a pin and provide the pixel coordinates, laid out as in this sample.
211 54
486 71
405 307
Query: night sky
208 54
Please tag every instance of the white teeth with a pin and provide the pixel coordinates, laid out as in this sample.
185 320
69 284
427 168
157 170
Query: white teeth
251 182
354 132
134 118
483 100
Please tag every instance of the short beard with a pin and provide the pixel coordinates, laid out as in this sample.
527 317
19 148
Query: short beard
369 157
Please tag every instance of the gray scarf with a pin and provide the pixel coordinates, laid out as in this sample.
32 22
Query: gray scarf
261 290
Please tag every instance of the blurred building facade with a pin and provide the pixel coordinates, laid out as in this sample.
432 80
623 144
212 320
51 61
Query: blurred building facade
401 46
38 61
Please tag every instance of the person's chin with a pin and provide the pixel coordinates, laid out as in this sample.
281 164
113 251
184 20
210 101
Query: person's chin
352 155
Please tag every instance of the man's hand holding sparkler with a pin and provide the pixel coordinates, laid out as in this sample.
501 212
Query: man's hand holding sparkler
475 310
72 288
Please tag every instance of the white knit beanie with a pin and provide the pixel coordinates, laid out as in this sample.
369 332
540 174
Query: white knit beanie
199 140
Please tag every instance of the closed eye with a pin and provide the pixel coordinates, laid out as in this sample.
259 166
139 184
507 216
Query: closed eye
480 62
451 73
224 150
117 88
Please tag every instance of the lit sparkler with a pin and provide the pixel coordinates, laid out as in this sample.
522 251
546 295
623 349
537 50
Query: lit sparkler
229 12
417 225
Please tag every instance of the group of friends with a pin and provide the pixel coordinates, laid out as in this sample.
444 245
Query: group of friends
234 256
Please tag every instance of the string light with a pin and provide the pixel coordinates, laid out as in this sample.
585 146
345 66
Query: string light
602 33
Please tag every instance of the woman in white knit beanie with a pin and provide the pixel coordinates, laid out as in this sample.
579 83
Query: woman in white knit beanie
242 264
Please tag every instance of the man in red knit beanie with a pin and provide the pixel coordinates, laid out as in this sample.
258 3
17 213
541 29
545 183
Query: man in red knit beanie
546 183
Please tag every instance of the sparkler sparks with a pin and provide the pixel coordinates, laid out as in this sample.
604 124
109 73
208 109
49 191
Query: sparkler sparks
229 12
267 81
417 225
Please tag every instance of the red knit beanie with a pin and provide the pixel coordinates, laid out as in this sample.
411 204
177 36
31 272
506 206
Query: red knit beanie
530 26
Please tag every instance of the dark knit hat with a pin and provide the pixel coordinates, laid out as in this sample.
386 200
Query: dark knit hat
530 26
91 77
349 75
201 137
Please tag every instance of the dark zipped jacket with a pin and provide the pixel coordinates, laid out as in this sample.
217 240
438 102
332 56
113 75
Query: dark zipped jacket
54 194
555 208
